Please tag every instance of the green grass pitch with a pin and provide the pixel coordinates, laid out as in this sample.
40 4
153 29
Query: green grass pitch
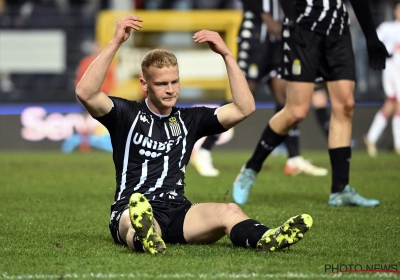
54 211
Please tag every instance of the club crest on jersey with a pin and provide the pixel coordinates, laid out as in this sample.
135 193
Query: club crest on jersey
174 126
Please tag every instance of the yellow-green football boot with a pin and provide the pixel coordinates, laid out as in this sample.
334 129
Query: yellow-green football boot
289 233
141 215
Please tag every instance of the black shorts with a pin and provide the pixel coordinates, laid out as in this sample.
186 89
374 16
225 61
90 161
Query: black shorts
328 57
170 217
259 60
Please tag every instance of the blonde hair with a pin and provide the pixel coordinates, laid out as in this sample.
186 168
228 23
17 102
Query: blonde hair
158 58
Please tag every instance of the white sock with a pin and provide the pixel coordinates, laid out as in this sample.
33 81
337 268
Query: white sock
378 125
396 131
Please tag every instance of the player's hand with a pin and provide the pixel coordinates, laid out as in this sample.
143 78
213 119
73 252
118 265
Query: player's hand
214 41
274 27
124 27
275 30
377 54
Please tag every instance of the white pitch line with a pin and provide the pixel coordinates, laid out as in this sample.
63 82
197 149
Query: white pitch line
288 275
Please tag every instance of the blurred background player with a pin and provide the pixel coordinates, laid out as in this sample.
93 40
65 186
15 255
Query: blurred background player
111 77
389 33
317 43
259 57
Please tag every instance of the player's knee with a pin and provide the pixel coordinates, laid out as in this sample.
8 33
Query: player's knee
349 105
346 108
298 115
233 208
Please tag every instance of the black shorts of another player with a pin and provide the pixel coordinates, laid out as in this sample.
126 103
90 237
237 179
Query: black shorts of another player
329 57
259 60
170 217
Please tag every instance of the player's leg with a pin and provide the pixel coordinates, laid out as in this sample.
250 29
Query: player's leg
299 68
292 141
295 164
206 223
320 102
396 117
396 128
378 125
342 101
338 70
138 228
298 99
381 118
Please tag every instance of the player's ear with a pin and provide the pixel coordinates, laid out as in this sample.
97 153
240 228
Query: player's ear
143 84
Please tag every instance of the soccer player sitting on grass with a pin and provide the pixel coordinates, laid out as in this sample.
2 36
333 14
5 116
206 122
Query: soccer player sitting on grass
152 142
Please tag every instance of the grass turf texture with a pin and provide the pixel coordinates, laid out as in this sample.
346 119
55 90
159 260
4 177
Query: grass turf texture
55 209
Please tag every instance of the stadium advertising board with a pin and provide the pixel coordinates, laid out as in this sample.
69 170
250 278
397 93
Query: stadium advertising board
66 127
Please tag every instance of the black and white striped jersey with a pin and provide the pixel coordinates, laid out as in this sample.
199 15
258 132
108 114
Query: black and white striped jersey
328 17
150 152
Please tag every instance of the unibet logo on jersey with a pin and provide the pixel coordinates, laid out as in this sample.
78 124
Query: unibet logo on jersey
174 126
296 67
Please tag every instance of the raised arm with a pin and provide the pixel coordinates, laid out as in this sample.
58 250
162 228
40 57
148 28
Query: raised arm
242 99
88 91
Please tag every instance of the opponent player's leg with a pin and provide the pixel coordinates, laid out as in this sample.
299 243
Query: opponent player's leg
390 86
378 125
298 99
396 117
396 127
138 228
342 101
206 223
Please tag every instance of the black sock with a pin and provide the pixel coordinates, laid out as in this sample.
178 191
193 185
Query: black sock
323 120
247 233
268 142
340 162
210 141
138 244
292 142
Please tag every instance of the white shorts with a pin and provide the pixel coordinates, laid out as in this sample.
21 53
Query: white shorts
391 80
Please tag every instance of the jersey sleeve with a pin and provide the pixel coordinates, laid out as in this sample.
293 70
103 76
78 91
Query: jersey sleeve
207 121
116 114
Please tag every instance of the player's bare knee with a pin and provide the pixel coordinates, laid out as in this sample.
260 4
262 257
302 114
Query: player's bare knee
297 116
233 208
345 109
349 105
